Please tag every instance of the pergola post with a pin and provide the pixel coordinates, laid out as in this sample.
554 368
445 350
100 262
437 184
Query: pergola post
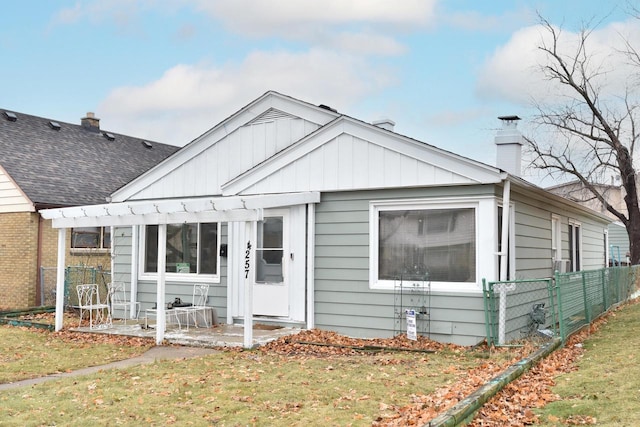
161 321
134 271
251 232
62 246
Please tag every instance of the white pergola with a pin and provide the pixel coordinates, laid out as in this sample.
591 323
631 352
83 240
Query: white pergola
247 209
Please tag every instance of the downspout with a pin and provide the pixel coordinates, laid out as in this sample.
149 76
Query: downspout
504 238
39 281
503 288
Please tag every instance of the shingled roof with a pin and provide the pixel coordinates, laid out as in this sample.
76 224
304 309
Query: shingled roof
63 164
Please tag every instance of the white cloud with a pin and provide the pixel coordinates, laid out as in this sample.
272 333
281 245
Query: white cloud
513 72
366 44
475 21
189 99
68 15
287 17
363 26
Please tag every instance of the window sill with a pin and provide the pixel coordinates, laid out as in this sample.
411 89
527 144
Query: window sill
440 287
86 251
179 278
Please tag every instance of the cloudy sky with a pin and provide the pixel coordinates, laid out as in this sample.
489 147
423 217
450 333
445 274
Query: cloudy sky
168 70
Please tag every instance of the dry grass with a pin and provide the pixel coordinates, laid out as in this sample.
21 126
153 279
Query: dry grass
239 388
28 353
604 390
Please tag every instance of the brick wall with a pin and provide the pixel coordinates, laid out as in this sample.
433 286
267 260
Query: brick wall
19 269
18 259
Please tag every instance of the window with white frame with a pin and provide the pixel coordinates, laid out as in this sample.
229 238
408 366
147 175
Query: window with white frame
423 241
91 238
575 246
191 248
556 238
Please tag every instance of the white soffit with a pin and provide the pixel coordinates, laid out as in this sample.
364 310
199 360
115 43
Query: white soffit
207 209
446 168
269 101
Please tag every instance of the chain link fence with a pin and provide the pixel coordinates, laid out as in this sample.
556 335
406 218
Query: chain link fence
73 276
542 309
519 310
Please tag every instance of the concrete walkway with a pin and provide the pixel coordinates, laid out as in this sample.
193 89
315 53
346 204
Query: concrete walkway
150 356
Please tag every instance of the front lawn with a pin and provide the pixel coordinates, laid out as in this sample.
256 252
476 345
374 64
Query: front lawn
28 353
282 384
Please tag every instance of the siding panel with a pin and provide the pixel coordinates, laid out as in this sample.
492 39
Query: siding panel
344 301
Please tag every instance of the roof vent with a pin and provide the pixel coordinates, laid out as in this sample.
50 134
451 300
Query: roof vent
54 125
147 144
387 124
11 116
326 107
108 135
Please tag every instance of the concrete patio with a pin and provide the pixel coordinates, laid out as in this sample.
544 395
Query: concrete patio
220 335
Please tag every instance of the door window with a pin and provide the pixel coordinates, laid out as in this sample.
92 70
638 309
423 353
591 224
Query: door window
269 251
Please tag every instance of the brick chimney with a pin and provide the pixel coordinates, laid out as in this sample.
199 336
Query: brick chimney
90 122
509 142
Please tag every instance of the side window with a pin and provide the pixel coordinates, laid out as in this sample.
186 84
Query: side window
91 238
556 239
575 246
191 248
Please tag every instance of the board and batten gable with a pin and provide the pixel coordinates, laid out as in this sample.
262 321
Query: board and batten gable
12 198
347 154
249 137
237 152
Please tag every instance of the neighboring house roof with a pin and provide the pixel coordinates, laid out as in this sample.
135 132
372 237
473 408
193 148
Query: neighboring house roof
576 191
63 164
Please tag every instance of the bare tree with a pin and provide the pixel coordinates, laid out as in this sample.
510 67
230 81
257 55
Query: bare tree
596 131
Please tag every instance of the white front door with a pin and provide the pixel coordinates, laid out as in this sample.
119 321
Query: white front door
271 286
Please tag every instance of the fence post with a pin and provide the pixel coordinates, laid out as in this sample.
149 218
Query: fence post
553 305
560 311
502 288
605 304
587 312
485 297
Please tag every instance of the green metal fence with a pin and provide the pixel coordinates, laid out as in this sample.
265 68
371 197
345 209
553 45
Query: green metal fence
585 295
73 276
540 308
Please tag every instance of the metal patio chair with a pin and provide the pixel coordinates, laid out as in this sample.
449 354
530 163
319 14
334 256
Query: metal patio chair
89 300
119 300
198 306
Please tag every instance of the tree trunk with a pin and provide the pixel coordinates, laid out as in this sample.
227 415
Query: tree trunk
633 216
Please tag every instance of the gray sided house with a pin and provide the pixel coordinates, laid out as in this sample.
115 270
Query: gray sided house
297 214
